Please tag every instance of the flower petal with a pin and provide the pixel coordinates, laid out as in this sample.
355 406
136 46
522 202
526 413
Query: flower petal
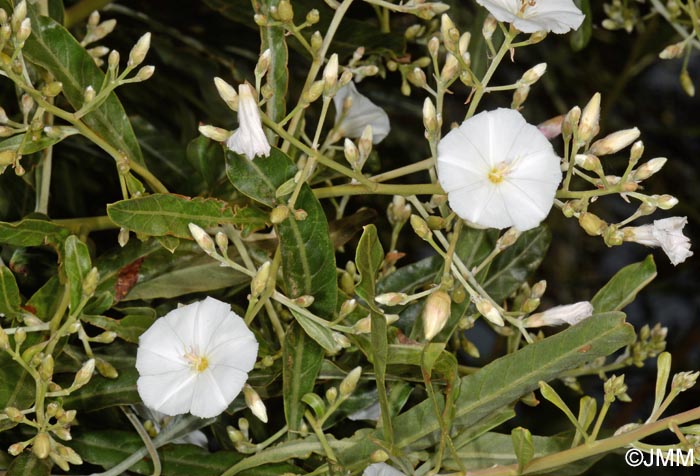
362 112
169 393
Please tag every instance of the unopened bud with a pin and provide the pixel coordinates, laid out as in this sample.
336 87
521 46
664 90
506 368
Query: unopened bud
14 414
349 383
330 75
214 133
683 381
279 214
533 74
19 14
69 455
253 401
449 32
520 96
687 83
417 77
25 29
145 73
20 336
90 282
364 144
436 312
314 91
259 281
507 239
420 227
433 46
673 51
489 311
352 154
106 337
139 51
614 142
227 92
234 435
647 169
113 60
27 104
430 117
89 95
570 314
490 25
451 68
202 238
588 126
537 37
42 445
592 224
4 340
391 299
285 12
16 448
571 120
588 162
46 368
123 237
84 375
636 152
304 301
105 369
312 17
263 63
347 308
666 202
316 41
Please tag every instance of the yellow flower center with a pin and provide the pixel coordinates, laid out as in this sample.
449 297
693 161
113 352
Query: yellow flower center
199 363
499 172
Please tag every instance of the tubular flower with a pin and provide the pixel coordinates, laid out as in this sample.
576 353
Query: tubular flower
499 171
667 234
351 122
570 314
529 16
249 139
195 359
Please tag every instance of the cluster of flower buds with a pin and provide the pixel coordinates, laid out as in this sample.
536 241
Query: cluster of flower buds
650 343
621 15
14 30
96 31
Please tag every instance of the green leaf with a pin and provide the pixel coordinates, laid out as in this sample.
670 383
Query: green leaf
259 178
624 286
580 38
282 452
27 464
308 257
10 300
163 214
302 359
508 378
523 447
30 146
512 267
273 37
16 386
318 332
103 392
128 328
205 156
44 302
368 259
31 232
53 48
77 265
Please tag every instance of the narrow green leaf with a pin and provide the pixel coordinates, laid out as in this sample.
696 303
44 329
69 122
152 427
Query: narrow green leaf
380 355
308 257
163 214
368 259
53 48
273 37
302 359
27 464
283 452
30 146
10 300
624 286
319 333
260 178
553 397
580 38
76 264
31 232
523 446
663 372
128 328
315 403
508 378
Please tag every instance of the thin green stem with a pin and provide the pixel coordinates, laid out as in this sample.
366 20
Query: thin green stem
379 189
145 437
599 421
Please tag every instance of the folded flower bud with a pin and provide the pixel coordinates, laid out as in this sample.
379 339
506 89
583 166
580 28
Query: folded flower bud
436 312
614 142
570 314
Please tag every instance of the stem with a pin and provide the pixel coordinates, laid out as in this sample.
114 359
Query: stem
148 443
405 170
379 189
599 420
545 463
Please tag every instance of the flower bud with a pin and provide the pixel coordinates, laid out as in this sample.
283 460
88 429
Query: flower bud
364 144
234 435
145 73
279 214
687 83
46 368
649 168
420 227
332 395
304 301
316 41
20 336
537 37
139 51
202 238
352 154
123 237
227 92
214 133
507 239
570 314
314 91
42 445
488 310
349 383
25 29
673 51
449 32
451 68
19 15
614 142
391 299
105 369
84 375
489 27
571 120
285 12
90 282
16 448
253 401
683 381
4 340
263 63
312 17
433 46
588 126
417 77
666 202
589 162
330 75
430 117
106 337
591 224
14 414
436 312
69 455
259 281
532 75
347 308
113 60
520 96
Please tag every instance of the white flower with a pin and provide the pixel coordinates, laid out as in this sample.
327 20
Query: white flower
381 469
529 16
667 234
249 139
570 314
362 112
499 171
195 359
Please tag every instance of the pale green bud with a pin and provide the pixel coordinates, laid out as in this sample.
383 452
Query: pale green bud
349 383
435 314
202 238
464 42
330 75
279 214
489 311
592 224
105 369
41 446
590 116
214 133
347 308
90 282
25 29
532 75
420 227
263 63
145 73
227 92
417 77
673 51
489 27
139 51
254 403
614 142
430 120
450 70
391 299
649 168
84 375
352 154
14 414
259 281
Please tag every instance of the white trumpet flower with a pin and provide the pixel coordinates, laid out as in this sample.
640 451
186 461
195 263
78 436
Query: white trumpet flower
529 16
249 139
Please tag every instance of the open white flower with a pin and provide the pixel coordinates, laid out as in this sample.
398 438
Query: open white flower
381 469
249 139
667 234
362 112
499 171
529 16
195 359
